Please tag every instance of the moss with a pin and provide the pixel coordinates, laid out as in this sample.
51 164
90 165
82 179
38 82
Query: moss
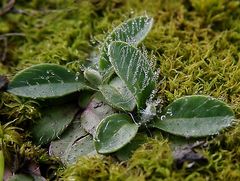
151 161
195 44
22 111
154 161
29 152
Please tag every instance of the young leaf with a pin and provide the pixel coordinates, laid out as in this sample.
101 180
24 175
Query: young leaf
195 116
114 132
134 69
93 77
46 81
118 95
132 31
94 113
52 124
74 142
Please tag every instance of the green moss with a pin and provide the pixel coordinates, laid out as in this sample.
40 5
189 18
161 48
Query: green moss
195 44
22 111
151 161
154 161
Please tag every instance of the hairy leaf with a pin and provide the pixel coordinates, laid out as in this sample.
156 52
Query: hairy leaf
134 69
195 116
132 31
52 124
46 81
93 77
114 132
118 95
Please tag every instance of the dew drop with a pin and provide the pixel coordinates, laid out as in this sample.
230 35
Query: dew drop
169 112
97 140
77 76
163 117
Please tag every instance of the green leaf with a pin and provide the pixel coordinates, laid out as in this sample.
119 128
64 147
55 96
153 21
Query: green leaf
195 116
118 95
96 110
132 31
134 69
114 132
46 81
74 142
93 77
52 124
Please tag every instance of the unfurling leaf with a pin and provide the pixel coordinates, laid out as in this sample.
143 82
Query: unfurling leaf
195 116
134 69
93 77
132 31
114 132
46 81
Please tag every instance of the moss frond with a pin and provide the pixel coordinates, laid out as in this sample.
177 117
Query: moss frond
22 111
